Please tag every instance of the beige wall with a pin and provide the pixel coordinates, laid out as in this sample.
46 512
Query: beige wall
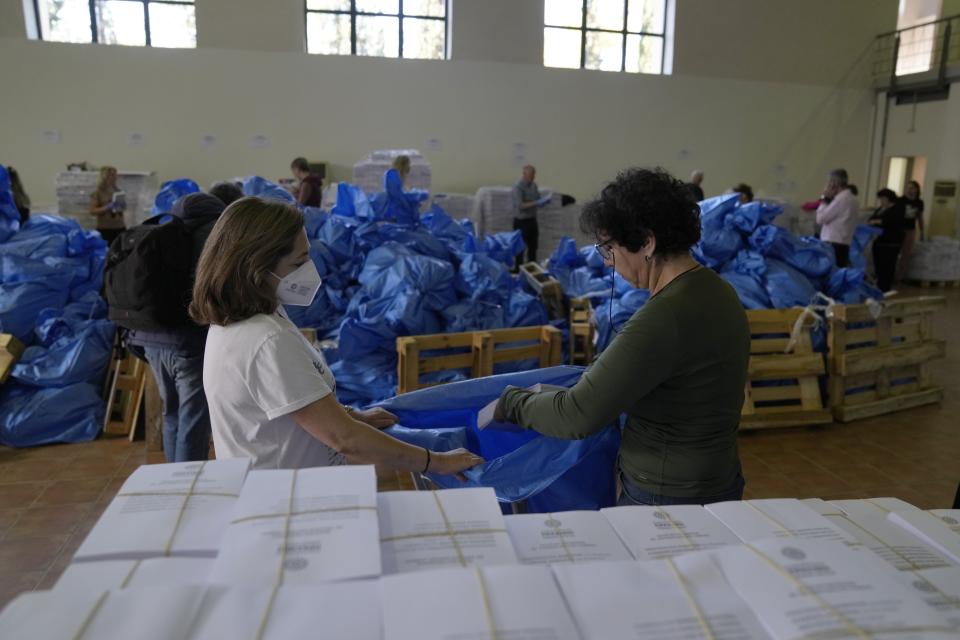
806 41
755 122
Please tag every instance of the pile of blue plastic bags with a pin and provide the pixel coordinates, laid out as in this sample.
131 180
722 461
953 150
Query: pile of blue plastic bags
389 271
768 266
51 272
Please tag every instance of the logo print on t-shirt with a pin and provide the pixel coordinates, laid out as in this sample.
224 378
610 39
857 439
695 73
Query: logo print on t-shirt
318 366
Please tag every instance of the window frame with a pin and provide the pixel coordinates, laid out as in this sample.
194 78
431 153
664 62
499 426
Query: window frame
94 22
400 15
623 33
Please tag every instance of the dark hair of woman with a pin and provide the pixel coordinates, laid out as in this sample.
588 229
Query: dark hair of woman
644 202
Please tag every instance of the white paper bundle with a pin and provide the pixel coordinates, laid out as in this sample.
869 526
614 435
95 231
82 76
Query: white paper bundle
684 597
368 173
455 205
939 588
432 529
144 614
950 517
881 506
302 527
816 588
516 602
890 542
661 532
571 536
179 509
347 610
555 222
823 507
493 210
931 529
754 520
74 189
936 259
123 574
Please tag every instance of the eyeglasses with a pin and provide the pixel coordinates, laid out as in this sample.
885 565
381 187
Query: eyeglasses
605 250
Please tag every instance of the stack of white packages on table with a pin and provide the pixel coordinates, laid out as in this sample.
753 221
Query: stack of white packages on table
937 259
493 210
555 222
318 553
794 219
368 173
456 205
74 189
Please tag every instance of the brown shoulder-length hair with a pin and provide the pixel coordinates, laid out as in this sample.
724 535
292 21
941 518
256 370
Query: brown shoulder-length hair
244 246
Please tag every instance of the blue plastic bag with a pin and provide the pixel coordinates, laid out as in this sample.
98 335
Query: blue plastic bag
396 204
850 286
22 301
525 310
863 237
566 255
9 214
786 286
313 219
366 379
505 246
480 277
750 290
470 315
352 202
418 240
807 255
747 217
173 190
392 268
263 188
623 308
31 416
446 229
79 353
518 466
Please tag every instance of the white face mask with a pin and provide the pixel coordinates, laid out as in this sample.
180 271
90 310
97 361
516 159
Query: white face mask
300 287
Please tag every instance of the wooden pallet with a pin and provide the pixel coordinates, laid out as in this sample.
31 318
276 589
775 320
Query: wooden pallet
547 287
476 351
879 357
126 382
11 349
936 284
581 331
783 389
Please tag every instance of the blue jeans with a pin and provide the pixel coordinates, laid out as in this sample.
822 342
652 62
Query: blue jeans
186 418
633 495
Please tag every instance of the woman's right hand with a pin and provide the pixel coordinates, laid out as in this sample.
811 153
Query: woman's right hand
453 462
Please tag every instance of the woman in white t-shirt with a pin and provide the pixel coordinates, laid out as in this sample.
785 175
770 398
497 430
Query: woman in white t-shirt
270 392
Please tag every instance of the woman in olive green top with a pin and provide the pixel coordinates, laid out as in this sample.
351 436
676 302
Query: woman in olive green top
677 368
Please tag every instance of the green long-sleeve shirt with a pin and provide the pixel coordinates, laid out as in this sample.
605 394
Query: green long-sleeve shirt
677 369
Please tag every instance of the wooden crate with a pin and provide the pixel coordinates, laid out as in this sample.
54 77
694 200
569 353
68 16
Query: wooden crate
581 331
879 357
547 287
783 388
477 351
10 351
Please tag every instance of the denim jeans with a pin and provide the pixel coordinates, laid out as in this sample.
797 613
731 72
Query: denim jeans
186 418
632 495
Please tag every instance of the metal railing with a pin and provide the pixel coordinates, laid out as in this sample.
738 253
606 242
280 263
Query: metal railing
929 49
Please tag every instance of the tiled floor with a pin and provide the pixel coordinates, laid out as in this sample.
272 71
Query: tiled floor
50 497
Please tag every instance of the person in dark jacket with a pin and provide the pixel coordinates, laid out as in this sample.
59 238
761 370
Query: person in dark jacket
891 216
176 356
309 192
229 192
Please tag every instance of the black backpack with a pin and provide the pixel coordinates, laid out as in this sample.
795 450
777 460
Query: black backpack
149 275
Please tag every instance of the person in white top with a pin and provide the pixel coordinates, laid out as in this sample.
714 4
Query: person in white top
270 392
838 213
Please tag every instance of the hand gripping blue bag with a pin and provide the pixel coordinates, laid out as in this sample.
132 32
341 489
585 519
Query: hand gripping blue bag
549 473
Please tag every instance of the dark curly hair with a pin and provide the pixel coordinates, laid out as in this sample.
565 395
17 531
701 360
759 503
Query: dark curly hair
641 203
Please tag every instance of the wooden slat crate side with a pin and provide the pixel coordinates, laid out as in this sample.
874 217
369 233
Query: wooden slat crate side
895 308
897 355
851 412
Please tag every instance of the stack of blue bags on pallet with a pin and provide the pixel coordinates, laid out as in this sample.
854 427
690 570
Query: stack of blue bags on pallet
51 272
389 271
769 267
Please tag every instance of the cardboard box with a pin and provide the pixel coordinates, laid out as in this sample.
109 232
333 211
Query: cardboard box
10 351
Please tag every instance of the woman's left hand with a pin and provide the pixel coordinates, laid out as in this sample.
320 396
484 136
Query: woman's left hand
377 417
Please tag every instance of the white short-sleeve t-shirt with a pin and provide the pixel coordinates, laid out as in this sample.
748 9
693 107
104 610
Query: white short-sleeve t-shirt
255 374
